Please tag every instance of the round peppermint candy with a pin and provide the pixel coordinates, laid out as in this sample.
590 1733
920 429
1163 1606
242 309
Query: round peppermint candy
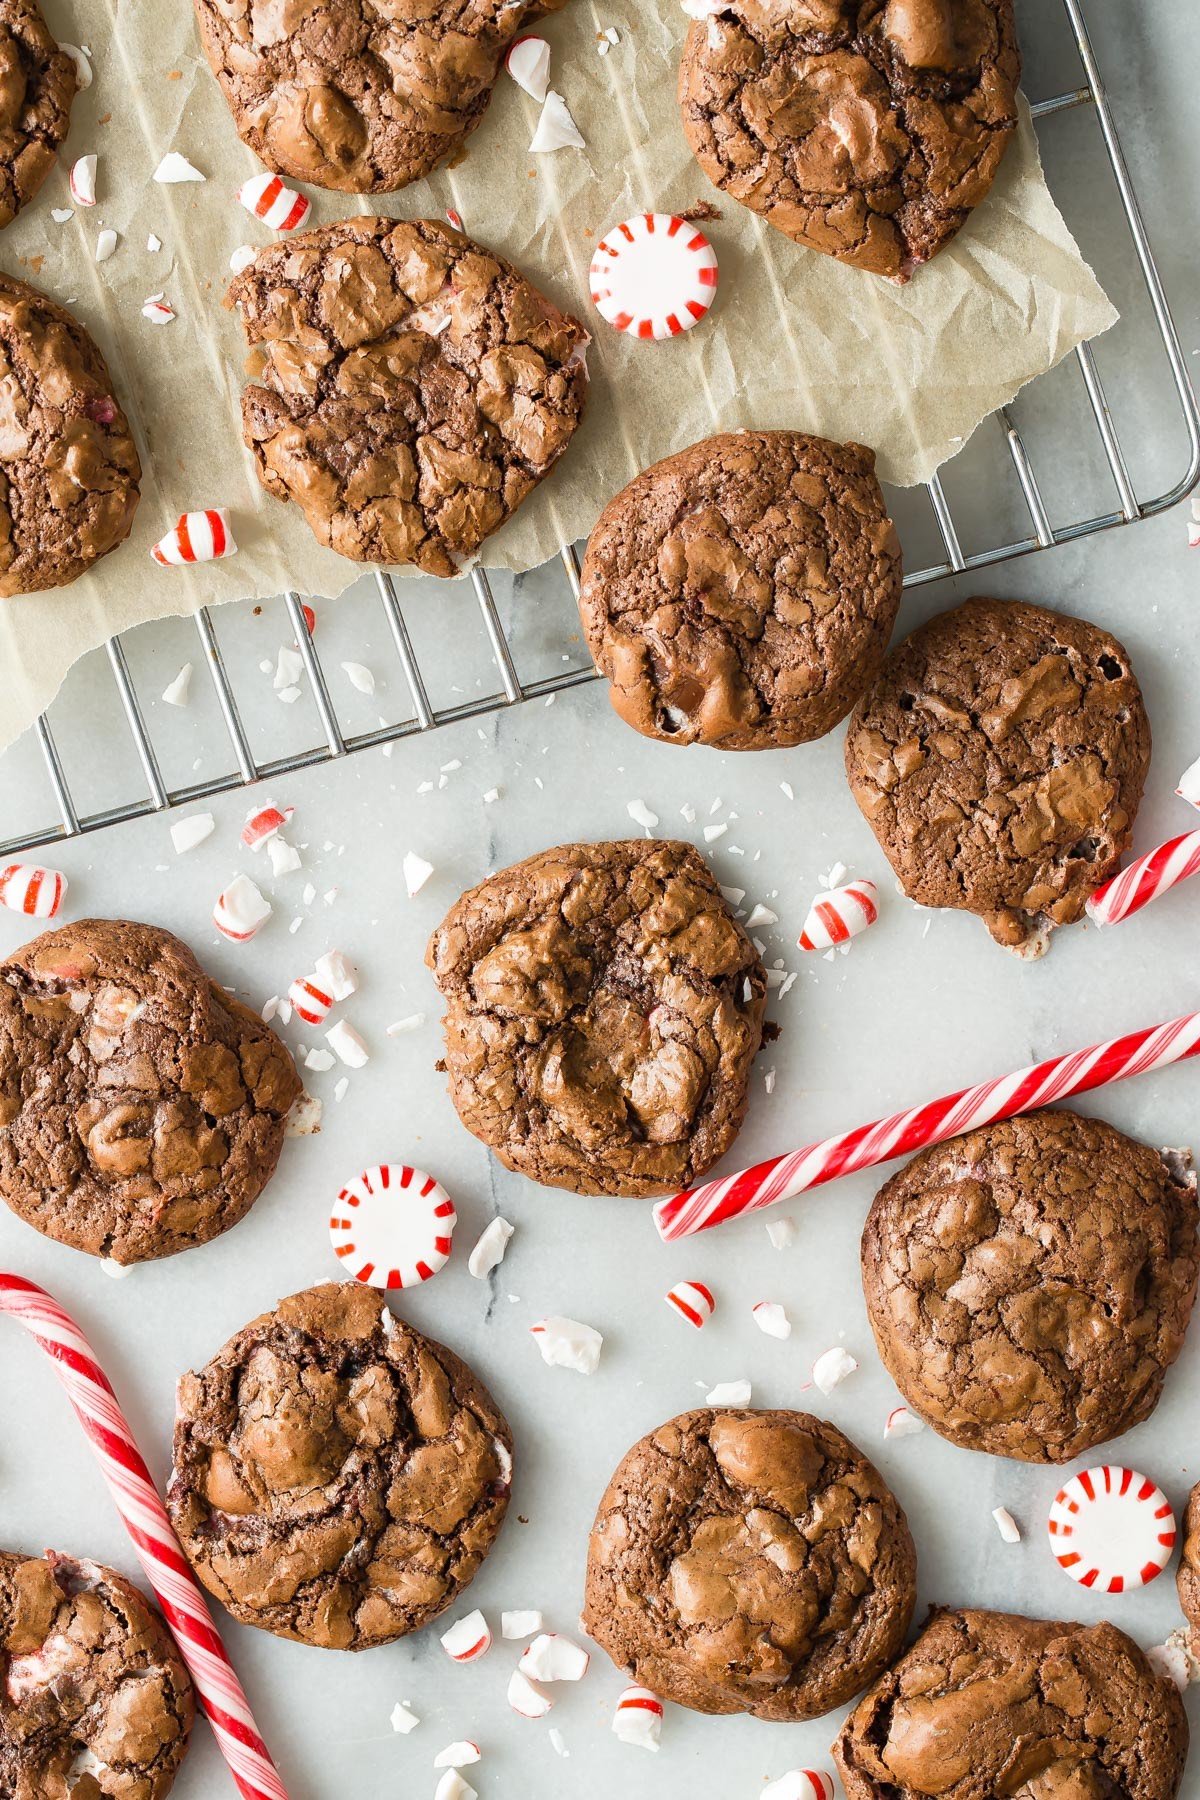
393 1225
654 276
1111 1529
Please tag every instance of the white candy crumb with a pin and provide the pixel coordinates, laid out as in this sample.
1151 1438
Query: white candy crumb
319 1060
175 168
557 1742
412 1022
492 795
345 1042
106 244
1006 1525
337 974
158 311
520 1624
901 1423
769 1081
640 813
359 676
687 813
713 832
453 1787
771 1318
556 129
1189 784
177 692
341 1087
459 1755
729 1393
117 1270
786 789
187 833
734 895
283 857
782 1233
566 1344
154 243
242 257
832 1367
416 873
83 68
528 62
552 1657
489 1249
289 666
762 915
62 214
404 1719
525 1698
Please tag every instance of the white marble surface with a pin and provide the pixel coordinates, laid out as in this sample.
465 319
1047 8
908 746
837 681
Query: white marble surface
920 1005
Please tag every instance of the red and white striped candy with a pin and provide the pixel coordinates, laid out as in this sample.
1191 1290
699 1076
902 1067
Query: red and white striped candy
836 917
800 1784
638 1717
136 1499
1144 880
240 910
282 208
158 310
310 1002
1189 784
264 823
38 893
1111 1529
468 1638
693 1301
196 537
82 181
654 276
396 1223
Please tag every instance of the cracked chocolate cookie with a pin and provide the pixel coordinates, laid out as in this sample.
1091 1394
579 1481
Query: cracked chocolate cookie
94 1697
359 95
37 85
1188 1574
338 1477
603 1010
750 1562
866 129
999 758
742 593
141 1106
69 470
987 1704
1030 1284
409 390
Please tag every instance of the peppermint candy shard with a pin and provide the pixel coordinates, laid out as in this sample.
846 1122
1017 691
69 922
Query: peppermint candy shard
800 1784
309 1001
526 1698
528 62
638 1718
1111 1529
279 207
196 537
264 823
692 1301
653 276
241 910
38 893
552 1657
394 1224
836 917
468 1638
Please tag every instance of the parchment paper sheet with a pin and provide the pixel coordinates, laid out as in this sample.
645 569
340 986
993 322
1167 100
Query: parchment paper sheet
794 340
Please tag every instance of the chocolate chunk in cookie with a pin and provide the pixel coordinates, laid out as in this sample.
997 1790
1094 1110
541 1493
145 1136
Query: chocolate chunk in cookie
867 129
354 94
1029 1285
141 1106
742 593
69 470
1000 758
37 85
987 1704
603 1012
94 1697
338 1477
410 388
750 1562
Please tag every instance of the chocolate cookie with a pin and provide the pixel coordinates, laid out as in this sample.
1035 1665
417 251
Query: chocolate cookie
987 1704
411 389
750 1562
1029 1285
742 593
603 1011
69 470
94 1697
1188 1574
141 1106
867 129
338 1477
999 758
354 94
37 85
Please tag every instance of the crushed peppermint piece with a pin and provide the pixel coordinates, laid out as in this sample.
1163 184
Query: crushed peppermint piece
283 857
769 1080
468 1638
786 789
713 832
187 833
154 243
341 1087
528 62
175 168
832 1367
552 1657
359 676
404 1719
901 1423
319 1060
729 1393
492 795
345 1042
520 1624
566 1344
687 813
453 1787
158 310
459 1755
337 974
782 1233
412 1022
489 1249
638 1718
556 129
416 873
1006 1525
83 68
762 915
62 214
772 1319
557 1741
177 692
640 813
242 257
106 244
1175 1659
240 910
525 1698
82 180
289 666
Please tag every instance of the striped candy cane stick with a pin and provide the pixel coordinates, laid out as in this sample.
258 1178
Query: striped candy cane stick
1041 1084
143 1516
1145 879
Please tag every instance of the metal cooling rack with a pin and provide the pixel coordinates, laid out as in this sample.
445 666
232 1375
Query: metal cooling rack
335 741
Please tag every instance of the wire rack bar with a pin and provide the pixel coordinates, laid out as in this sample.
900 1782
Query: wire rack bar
512 687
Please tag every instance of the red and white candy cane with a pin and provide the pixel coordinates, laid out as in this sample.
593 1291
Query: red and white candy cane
196 537
1144 880
38 893
834 918
1041 1084
142 1514
282 208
